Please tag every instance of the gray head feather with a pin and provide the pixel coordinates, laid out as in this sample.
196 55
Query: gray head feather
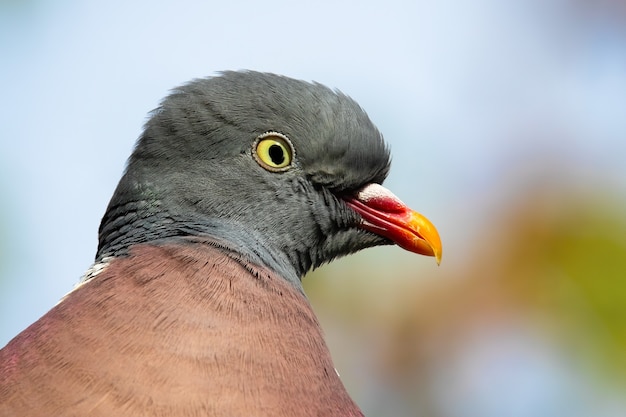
193 173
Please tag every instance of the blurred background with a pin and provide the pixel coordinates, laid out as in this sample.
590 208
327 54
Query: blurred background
507 124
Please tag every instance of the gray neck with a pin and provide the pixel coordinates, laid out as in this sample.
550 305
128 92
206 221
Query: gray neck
136 223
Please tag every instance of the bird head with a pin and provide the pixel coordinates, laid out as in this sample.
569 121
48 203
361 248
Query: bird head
286 172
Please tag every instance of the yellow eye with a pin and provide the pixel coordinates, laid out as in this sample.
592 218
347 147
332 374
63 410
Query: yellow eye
273 151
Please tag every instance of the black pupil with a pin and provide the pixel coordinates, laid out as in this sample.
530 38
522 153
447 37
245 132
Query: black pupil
277 154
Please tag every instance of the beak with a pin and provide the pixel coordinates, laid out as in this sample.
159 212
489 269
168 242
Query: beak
384 214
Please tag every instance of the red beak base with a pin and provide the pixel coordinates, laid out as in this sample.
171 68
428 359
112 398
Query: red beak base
384 214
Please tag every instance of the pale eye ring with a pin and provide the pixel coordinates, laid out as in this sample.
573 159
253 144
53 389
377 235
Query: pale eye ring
273 151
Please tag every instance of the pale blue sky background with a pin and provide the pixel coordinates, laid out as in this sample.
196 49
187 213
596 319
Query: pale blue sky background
470 95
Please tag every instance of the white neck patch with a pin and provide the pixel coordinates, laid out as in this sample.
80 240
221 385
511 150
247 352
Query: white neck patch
93 271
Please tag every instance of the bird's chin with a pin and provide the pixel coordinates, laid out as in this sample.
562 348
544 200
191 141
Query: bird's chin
347 242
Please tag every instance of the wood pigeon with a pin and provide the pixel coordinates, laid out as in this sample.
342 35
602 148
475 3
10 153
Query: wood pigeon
239 185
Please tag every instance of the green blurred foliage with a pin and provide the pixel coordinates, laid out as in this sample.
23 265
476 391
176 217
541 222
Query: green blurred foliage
568 263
